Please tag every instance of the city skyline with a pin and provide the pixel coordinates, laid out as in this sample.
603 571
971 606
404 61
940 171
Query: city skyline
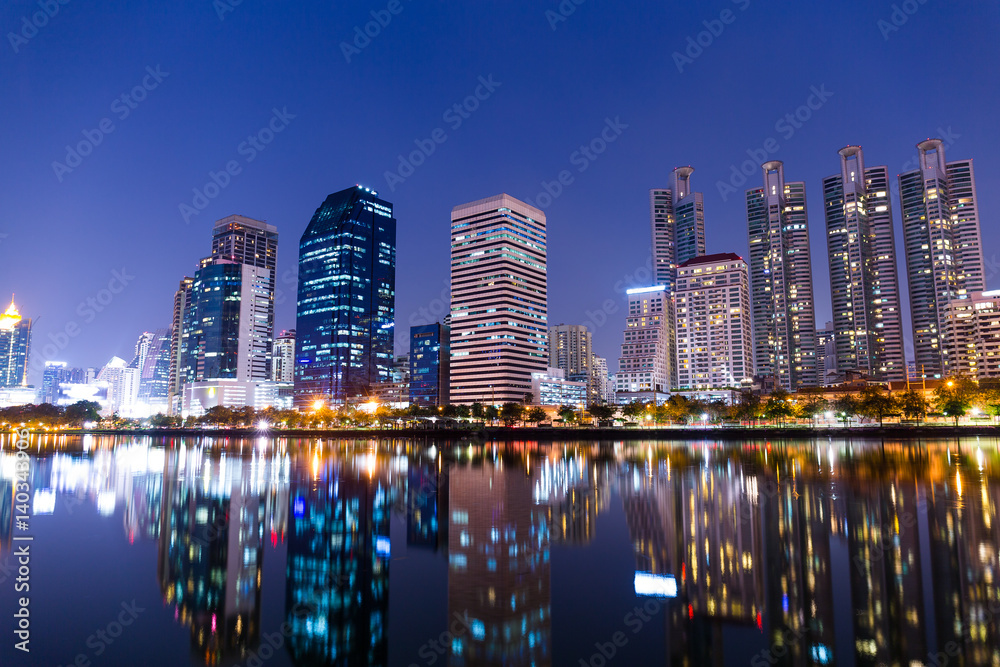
123 194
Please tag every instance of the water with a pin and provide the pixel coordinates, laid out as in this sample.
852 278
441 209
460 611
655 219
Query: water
400 553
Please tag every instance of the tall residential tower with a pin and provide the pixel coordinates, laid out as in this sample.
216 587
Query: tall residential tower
944 254
781 289
864 278
499 303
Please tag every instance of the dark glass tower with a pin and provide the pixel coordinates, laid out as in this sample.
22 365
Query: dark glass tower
346 299
430 357
15 336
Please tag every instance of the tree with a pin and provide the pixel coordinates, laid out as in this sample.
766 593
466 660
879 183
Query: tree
219 415
529 398
955 397
601 412
912 404
536 415
876 403
478 411
778 407
511 413
846 406
813 408
633 410
490 413
748 408
82 411
567 413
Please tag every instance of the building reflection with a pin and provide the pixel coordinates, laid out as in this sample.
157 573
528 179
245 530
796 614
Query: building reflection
498 568
212 529
337 575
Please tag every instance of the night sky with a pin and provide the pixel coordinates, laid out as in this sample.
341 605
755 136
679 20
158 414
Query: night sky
218 73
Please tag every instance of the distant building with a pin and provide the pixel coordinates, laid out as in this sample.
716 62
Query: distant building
346 298
552 388
15 342
601 377
677 217
283 357
571 348
175 381
123 387
944 253
152 359
826 350
643 370
712 306
499 301
971 335
430 364
55 374
781 285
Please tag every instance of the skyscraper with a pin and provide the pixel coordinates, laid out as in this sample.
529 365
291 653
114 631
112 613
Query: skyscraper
15 340
175 385
944 254
152 359
499 304
246 241
678 225
864 278
430 364
781 289
642 368
714 349
346 298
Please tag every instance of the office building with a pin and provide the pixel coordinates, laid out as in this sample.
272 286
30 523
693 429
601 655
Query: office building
152 360
228 324
944 255
642 368
54 375
677 218
602 378
864 278
499 304
246 241
781 288
971 336
15 340
346 298
553 388
712 305
122 383
430 364
283 357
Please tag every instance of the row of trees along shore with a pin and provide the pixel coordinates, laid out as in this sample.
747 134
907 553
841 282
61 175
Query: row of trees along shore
952 400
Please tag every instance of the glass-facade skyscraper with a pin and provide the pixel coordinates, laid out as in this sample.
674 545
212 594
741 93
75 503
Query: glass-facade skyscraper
15 339
430 362
864 278
944 252
781 287
346 298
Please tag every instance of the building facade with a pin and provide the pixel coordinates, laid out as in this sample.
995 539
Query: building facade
499 304
571 349
864 277
175 382
712 301
283 357
944 255
826 352
642 368
346 298
553 388
15 342
781 287
677 218
430 365
971 334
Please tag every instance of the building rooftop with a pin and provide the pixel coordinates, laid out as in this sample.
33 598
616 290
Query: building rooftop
710 259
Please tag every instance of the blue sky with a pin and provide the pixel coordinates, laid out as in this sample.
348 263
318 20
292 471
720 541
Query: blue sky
224 70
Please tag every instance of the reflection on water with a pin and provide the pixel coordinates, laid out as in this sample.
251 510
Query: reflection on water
810 553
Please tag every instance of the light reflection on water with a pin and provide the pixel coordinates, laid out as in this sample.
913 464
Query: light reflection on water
798 553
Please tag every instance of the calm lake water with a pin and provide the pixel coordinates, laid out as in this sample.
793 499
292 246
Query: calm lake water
152 551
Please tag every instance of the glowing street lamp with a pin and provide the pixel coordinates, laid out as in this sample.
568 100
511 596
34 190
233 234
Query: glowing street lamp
318 405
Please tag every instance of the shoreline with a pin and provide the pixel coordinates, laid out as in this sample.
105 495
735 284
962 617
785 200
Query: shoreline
547 434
